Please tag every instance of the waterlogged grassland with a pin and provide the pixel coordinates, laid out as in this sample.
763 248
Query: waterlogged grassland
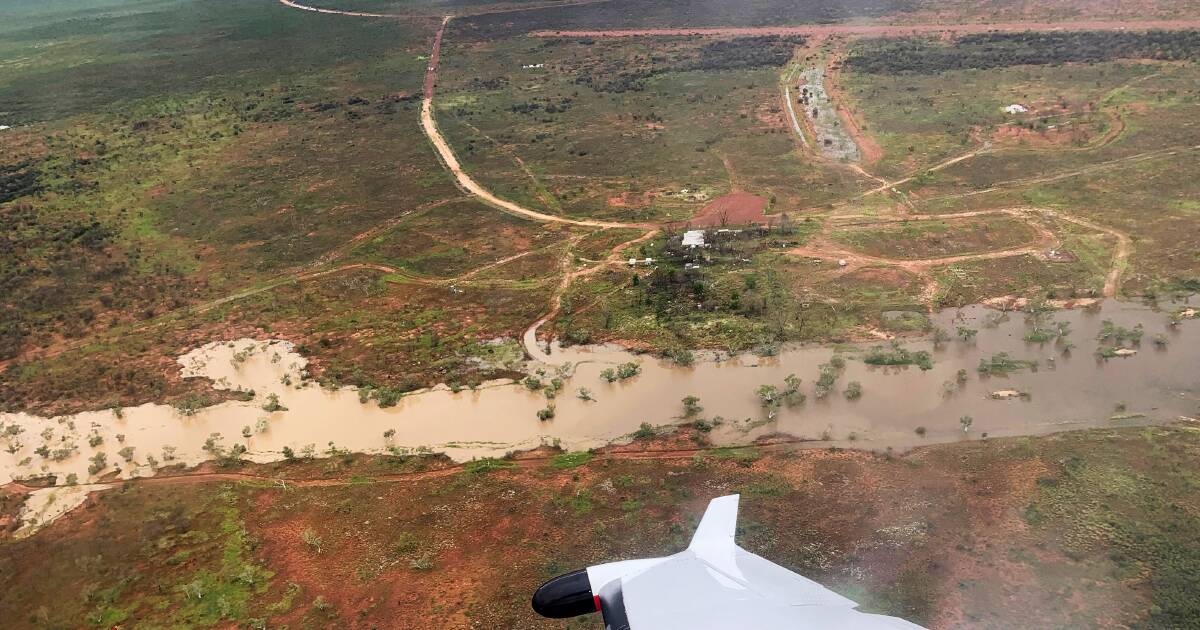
456 238
123 212
169 181
1129 173
939 239
358 327
1096 529
973 281
747 295
873 290
620 129
923 119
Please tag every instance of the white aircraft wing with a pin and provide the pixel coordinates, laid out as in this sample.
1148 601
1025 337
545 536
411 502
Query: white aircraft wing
714 584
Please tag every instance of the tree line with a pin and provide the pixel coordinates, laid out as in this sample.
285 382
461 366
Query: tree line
733 54
997 50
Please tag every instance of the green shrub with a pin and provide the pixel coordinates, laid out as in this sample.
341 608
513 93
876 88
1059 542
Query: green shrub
898 355
486 465
1002 363
272 405
570 460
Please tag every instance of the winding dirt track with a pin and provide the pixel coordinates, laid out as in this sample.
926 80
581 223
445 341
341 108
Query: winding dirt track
549 5
529 339
467 182
1121 254
445 153
1047 239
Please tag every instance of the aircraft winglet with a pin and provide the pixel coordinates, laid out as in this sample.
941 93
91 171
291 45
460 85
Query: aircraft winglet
718 526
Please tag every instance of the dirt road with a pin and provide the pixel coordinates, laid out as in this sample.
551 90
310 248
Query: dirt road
1112 282
467 182
413 15
529 339
429 125
303 7
1046 239
987 146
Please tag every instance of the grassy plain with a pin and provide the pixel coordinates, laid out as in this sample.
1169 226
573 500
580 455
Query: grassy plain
283 144
1085 529
938 239
1127 172
130 213
619 129
182 171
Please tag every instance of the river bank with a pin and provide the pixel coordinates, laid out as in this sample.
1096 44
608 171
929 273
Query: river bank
1055 387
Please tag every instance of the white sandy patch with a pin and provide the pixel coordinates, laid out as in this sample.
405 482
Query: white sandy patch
44 506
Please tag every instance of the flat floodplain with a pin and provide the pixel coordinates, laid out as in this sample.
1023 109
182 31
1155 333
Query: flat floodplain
380 312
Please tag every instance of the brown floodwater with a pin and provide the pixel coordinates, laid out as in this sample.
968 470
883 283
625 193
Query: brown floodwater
1068 390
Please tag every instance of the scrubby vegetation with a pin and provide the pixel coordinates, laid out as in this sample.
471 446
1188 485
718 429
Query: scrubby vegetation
996 50
898 355
1113 333
1001 363
735 54
1107 518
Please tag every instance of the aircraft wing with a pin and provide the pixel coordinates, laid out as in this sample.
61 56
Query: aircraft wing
715 584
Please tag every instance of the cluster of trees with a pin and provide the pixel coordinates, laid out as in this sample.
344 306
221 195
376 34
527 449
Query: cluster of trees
18 180
747 52
997 50
36 257
676 13
734 54
626 81
550 106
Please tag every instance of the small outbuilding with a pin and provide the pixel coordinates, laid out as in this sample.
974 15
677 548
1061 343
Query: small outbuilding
693 238
1016 108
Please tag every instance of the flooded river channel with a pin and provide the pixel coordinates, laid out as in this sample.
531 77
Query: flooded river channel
1067 390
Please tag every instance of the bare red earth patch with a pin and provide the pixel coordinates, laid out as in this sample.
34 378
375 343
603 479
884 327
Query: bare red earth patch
632 200
738 208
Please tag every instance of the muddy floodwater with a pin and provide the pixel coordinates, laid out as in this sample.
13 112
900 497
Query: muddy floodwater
1068 390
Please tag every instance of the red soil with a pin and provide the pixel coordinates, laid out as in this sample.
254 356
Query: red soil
631 200
431 72
737 208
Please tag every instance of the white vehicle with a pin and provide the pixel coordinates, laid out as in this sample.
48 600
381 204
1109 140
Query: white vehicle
713 584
